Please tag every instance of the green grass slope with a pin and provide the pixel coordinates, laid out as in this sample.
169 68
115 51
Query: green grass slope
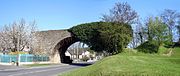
176 52
133 64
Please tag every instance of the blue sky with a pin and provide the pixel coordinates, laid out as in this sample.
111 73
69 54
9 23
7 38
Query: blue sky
63 14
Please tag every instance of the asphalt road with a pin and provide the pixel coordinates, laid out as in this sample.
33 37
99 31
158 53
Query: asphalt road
53 70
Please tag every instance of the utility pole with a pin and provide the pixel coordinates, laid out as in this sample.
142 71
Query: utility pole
18 48
77 53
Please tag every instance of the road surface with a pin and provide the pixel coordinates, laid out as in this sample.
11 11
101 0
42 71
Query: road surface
37 71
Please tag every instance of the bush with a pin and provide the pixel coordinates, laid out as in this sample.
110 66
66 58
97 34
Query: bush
149 47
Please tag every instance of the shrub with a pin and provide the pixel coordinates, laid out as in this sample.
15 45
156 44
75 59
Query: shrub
149 47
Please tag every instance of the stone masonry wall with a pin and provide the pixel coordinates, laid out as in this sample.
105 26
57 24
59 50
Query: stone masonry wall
45 42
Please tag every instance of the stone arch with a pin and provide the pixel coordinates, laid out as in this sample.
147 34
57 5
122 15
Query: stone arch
62 46
53 43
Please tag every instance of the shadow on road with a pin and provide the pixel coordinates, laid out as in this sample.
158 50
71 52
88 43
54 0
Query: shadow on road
81 64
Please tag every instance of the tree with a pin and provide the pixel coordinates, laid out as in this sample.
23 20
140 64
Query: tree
115 37
17 35
104 36
178 28
157 33
170 17
157 30
121 13
139 35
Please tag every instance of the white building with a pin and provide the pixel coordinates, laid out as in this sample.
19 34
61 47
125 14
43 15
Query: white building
80 54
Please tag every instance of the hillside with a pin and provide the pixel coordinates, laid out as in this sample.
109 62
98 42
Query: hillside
133 64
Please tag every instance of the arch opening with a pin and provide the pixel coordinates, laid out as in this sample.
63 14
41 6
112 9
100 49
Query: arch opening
62 46
78 52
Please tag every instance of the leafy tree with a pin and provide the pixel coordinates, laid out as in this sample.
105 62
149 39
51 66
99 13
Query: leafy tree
115 37
85 32
157 30
157 33
104 36
121 13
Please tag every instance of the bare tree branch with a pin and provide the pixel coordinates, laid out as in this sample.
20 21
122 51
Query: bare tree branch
18 34
121 13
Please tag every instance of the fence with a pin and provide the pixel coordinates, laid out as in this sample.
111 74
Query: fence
23 58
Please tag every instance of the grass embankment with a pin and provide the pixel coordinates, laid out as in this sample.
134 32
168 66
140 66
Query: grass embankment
133 64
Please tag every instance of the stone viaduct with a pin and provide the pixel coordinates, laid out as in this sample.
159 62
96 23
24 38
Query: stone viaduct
54 43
